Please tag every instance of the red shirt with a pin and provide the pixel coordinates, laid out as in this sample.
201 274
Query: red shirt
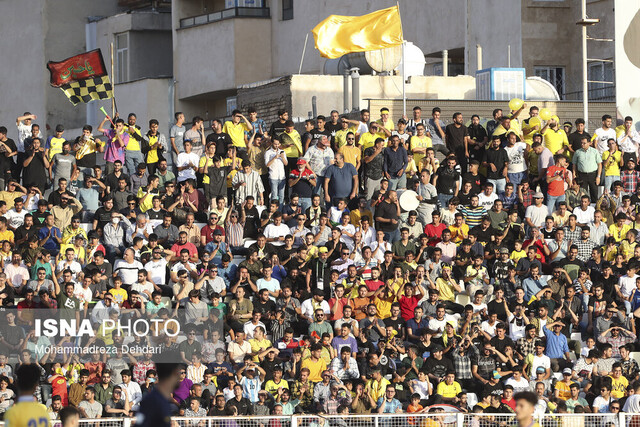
373 285
343 301
434 232
95 371
59 387
176 248
556 188
207 232
539 245
407 305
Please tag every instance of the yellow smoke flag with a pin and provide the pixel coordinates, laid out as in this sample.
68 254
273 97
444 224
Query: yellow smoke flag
338 35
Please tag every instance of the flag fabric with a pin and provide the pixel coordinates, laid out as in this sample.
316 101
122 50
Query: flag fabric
338 35
83 78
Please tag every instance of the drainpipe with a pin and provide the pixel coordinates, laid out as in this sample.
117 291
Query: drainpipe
445 63
355 89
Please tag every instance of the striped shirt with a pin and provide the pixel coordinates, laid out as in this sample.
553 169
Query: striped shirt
235 234
253 186
473 216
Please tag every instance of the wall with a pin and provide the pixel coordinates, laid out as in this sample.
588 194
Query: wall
267 98
151 54
148 98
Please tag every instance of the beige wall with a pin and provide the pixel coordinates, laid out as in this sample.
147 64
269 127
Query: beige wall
149 98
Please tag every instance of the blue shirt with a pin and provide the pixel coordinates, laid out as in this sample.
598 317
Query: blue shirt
50 244
340 179
394 161
557 345
228 274
390 407
89 198
532 287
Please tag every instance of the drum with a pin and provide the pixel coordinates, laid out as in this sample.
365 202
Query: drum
408 200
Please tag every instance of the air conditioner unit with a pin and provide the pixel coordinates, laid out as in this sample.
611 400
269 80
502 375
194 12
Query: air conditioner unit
500 84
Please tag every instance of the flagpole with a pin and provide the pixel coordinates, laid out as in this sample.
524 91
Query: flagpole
113 83
404 67
304 49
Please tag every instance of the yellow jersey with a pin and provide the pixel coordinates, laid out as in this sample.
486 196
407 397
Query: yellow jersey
293 143
555 140
368 139
612 168
55 146
152 155
134 144
351 154
204 161
419 142
236 132
27 413
341 136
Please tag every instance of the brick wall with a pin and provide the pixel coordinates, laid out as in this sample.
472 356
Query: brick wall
267 99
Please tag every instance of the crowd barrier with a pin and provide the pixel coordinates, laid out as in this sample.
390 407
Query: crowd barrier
441 419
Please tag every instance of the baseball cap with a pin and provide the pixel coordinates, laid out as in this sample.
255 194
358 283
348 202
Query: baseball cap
323 250
566 371
538 195
540 370
217 232
504 250
301 162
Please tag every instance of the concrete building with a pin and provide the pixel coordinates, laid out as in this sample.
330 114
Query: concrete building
253 41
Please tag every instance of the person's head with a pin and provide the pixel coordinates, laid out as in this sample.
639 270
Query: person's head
69 415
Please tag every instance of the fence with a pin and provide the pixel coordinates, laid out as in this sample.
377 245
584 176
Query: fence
438 419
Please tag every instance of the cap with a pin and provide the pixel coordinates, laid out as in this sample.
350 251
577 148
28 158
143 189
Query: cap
496 375
217 232
566 371
318 292
323 250
538 195
567 124
301 162
540 370
504 250
436 347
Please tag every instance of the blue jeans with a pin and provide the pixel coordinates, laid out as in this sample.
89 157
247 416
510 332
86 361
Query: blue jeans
277 189
443 200
552 200
392 236
517 178
609 180
498 185
131 161
305 203
319 190
396 182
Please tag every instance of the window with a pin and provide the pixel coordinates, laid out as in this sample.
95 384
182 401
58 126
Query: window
554 75
287 10
122 57
601 72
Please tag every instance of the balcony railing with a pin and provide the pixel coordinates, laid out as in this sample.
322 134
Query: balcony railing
234 12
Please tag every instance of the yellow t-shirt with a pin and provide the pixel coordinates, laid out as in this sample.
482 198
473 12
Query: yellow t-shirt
203 162
152 155
119 295
351 154
259 345
448 391
356 214
384 307
315 369
389 126
293 138
341 136
233 171
554 141
614 167
517 255
377 389
133 144
619 386
148 202
6 235
27 414
446 290
417 142
236 132
272 387
55 146
619 233
458 233
368 139
528 138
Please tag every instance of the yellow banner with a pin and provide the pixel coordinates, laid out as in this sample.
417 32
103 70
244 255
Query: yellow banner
338 35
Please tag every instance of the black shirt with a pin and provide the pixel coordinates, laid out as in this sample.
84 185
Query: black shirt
6 163
455 136
34 173
389 211
39 218
251 223
575 137
243 406
477 182
111 180
439 368
103 216
447 180
276 128
317 133
21 232
222 141
498 158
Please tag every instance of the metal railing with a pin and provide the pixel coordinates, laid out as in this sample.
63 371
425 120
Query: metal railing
431 419
233 12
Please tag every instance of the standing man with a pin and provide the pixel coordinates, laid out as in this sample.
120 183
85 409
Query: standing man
236 130
447 182
496 160
276 161
196 136
395 163
575 137
526 402
117 140
133 151
457 139
157 406
176 133
387 217
341 181
436 128
319 157
25 125
373 168
221 139
247 182
27 412
587 165
602 135
628 140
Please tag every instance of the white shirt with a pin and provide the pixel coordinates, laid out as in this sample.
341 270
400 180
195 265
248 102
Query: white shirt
487 201
158 270
489 329
543 361
276 169
15 219
630 143
349 228
601 138
82 293
383 247
308 308
16 274
127 272
516 157
249 328
627 285
186 159
368 237
134 393
537 214
74 266
272 285
273 231
584 217
140 232
142 287
522 385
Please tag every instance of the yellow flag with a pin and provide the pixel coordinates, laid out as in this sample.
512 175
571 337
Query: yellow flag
338 35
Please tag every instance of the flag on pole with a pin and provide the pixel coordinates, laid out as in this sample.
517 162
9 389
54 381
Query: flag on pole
82 78
338 35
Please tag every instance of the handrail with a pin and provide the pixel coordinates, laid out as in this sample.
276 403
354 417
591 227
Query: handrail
233 12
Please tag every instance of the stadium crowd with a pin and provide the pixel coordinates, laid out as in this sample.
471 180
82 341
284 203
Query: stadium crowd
343 269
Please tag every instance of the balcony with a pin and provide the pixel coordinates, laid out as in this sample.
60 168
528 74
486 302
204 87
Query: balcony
234 12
